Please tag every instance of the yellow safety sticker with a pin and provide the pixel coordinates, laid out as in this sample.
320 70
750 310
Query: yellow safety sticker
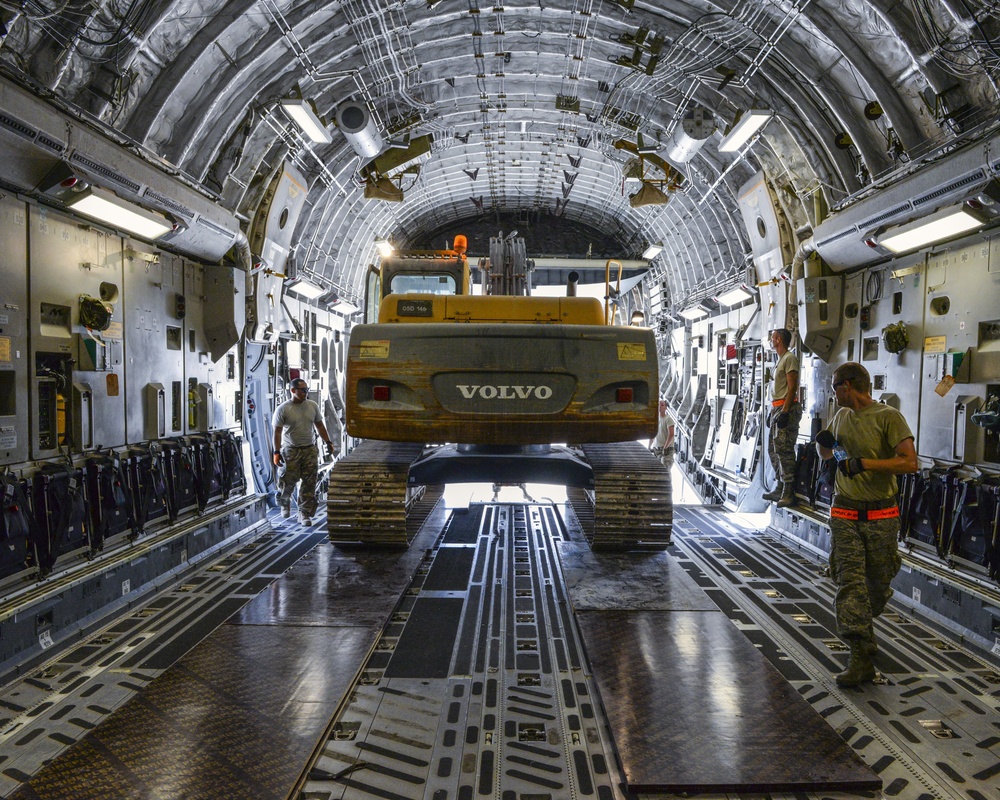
375 349
935 344
631 351
4 348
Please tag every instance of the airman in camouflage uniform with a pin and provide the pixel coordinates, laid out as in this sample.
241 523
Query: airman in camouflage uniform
872 444
296 423
784 419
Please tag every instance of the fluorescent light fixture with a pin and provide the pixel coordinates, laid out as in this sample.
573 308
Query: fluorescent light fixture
735 296
384 247
652 251
694 312
305 116
744 126
345 307
107 207
306 288
946 223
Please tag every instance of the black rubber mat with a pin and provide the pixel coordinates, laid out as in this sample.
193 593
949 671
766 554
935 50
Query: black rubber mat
237 717
744 728
451 570
464 527
425 648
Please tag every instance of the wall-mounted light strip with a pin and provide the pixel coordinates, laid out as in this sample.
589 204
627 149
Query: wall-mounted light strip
947 223
303 114
735 296
345 307
693 313
743 128
305 288
652 251
107 207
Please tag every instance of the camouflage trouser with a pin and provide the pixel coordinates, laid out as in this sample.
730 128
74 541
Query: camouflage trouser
299 465
667 459
863 562
781 444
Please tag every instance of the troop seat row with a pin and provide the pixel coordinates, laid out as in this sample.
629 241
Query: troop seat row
65 508
949 512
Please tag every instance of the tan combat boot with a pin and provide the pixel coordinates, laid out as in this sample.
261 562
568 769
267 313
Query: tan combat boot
787 497
860 668
774 494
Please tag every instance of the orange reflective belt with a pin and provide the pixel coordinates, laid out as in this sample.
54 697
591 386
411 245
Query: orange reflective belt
875 513
780 402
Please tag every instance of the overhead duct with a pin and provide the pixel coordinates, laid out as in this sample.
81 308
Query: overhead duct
36 137
954 178
355 121
689 137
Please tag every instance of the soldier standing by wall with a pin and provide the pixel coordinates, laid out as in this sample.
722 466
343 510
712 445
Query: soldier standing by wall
786 413
296 422
872 444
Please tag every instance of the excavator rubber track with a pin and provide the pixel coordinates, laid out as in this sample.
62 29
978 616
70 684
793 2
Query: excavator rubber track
368 497
631 507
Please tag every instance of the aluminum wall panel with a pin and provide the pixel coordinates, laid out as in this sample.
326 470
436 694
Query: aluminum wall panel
155 312
69 261
213 385
14 436
960 294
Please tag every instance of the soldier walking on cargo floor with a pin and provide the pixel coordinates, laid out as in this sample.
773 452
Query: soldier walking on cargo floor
785 415
872 444
296 423
663 445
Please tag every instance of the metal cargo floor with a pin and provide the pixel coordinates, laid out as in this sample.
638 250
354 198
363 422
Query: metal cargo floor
505 641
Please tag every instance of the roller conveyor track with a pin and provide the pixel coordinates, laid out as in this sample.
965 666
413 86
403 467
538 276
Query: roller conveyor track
632 505
368 496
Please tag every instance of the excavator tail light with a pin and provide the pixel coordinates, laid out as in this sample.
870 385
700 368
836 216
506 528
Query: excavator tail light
381 393
624 395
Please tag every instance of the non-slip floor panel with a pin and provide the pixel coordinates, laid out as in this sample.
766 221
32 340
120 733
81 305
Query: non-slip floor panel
693 706
451 570
236 718
464 526
239 715
424 650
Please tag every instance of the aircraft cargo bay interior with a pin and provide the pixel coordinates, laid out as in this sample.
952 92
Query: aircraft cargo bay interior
532 400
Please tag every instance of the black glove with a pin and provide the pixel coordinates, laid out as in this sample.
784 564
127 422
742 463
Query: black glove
826 439
781 419
851 467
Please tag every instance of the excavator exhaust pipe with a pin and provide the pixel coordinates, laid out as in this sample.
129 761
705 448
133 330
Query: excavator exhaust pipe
571 281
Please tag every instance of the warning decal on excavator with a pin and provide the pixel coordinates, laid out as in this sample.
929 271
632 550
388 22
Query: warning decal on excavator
375 349
631 351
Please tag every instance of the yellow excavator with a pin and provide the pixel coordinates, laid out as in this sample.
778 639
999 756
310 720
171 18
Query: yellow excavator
448 385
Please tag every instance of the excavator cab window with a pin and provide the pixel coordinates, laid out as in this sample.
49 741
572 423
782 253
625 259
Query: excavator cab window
422 283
